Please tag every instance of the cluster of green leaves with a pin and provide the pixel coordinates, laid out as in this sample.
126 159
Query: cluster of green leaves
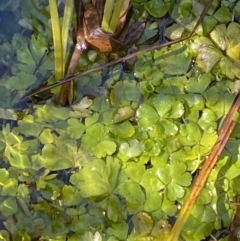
118 166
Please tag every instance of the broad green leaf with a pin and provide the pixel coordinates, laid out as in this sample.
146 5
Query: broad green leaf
153 201
114 209
163 104
168 206
227 63
123 113
9 206
133 194
94 134
219 37
150 181
91 119
209 22
29 127
8 114
133 92
21 81
11 137
174 176
122 130
46 136
81 109
98 140
207 54
200 84
164 174
71 196
4 175
152 148
173 61
132 148
226 39
119 231
100 104
157 8
38 47
192 131
97 178
4 235
167 106
170 129
207 121
223 15
134 171
233 170
143 223
105 147
147 121
24 56
124 92
56 157
18 160
23 191
195 102
234 46
48 113
175 191
206 197
75 128
9 188
208 139
203 213
179 174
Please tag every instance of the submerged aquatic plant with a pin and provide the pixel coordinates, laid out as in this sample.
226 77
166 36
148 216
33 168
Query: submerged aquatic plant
117 165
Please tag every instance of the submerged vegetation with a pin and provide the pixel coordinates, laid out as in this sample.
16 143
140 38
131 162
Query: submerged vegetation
120 160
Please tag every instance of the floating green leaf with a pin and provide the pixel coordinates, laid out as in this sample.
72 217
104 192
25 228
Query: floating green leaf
192 131
49 113
153 201
96 179
122 130
46 136
4 175
173 61
200 84
75 128
207 121
132 148
147 121
123 113
9 206
20 82
9 188
176 178
207 54
223 15
119 231
114 209
133 194
71 196
81 109
157 8
56 157
98 140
